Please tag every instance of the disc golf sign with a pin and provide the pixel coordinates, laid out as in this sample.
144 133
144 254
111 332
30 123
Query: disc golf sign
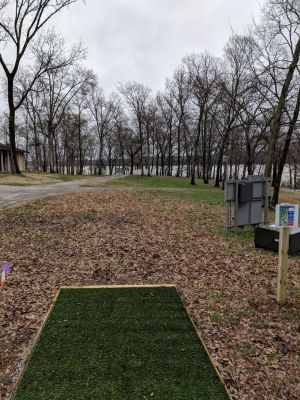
287 216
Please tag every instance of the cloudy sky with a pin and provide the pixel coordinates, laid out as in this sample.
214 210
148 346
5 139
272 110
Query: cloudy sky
144 40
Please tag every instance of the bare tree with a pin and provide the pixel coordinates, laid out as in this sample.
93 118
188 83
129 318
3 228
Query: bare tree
235 85
104 113
136 97
178 88
204 78
166 133
29 17
79 106
57 89
283 24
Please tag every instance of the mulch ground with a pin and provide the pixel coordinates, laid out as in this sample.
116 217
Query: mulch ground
134 238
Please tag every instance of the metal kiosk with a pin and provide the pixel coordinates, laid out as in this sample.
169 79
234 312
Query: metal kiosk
245 200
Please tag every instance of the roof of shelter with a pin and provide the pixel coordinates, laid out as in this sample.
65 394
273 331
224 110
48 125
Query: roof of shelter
7 147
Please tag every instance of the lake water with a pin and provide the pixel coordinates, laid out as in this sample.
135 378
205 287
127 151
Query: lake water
258 170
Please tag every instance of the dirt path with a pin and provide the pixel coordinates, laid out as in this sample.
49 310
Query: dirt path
15 195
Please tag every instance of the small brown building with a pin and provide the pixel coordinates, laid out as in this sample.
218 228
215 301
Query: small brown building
5 161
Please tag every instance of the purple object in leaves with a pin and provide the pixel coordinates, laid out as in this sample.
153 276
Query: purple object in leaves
6 268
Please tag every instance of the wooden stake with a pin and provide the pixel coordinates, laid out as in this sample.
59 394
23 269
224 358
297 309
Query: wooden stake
283 264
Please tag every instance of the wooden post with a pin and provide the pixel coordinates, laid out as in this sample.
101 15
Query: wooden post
266 208
236 205
282 264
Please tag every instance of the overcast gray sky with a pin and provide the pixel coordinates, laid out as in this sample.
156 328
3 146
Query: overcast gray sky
145 40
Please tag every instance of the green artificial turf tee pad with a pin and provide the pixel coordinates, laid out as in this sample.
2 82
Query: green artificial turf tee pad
119 344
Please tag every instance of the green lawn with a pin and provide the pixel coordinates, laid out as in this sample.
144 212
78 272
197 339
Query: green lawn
200 191
159 182
170 186
119 344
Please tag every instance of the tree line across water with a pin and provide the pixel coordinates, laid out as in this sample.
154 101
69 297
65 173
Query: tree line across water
244 105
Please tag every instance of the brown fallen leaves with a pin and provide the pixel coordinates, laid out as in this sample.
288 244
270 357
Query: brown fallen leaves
135 238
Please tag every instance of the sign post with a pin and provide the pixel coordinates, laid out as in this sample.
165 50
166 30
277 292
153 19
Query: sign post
286 218
5 270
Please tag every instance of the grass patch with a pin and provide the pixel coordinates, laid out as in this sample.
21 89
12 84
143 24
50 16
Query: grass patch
245 314
246 348
172 187
219 319
210 196
244 236
272 357
278 386
159 182
86 215
27 211
288 315
117 344
70 178
35 178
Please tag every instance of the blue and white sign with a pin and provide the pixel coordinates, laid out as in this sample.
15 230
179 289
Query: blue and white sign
287 215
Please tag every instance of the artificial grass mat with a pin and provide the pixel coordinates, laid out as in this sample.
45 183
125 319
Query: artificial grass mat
119 344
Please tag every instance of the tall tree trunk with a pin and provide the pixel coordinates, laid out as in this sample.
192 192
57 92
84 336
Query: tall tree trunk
56 156
282 161
45 161
276 124
274 172
12 129
178 150
51 150
193 171
219 168
157 160
195 155
162 161
249 157
142 150
27 151
170 150
153 155
36 149
81 160
100 151
291 177
131 163
91 165
148 152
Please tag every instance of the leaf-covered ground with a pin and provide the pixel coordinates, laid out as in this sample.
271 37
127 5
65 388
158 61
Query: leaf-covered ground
134 238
